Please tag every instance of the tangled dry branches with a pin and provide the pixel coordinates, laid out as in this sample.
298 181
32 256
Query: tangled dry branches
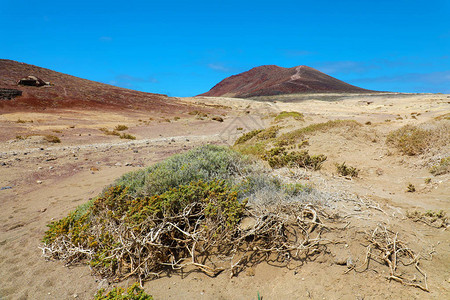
385 248
278 233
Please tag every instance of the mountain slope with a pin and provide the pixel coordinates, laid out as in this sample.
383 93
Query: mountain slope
70 91
273 80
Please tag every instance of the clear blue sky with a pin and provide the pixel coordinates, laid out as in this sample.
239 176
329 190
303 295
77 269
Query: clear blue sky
183 48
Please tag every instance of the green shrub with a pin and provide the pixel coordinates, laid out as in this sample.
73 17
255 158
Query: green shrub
134 292
345 170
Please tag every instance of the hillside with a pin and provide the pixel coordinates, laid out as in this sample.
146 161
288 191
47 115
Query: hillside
70 91
273 80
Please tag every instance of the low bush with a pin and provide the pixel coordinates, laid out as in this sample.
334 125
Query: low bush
109 132
247 136
134 292
268 133
127 136
443 167
52 139
345 170
278 157
289 114
121 127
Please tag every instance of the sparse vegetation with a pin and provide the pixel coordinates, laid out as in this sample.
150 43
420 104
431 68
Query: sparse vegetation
443 167
52 139
109 132
289 114
345 170
121 127
432 218
134 292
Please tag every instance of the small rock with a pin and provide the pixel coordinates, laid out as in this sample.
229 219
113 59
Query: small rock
75 295
128 164
118 164
38 181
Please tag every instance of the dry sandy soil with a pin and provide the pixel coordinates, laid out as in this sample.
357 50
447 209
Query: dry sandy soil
44 181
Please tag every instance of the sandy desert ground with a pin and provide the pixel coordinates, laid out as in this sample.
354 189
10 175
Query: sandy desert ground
43 181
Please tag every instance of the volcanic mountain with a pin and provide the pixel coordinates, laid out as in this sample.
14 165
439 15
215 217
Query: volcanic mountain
273 80
66 91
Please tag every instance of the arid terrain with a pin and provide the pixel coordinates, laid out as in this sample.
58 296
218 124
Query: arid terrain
52 160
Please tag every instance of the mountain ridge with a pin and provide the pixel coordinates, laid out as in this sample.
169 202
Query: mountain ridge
269 80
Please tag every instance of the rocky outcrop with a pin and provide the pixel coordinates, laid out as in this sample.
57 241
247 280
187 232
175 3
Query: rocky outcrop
8 94
32 81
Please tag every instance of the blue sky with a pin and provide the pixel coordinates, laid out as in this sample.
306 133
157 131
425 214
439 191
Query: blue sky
183 48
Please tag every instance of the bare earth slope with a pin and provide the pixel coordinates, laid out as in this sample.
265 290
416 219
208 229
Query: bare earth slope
273 80
69 91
